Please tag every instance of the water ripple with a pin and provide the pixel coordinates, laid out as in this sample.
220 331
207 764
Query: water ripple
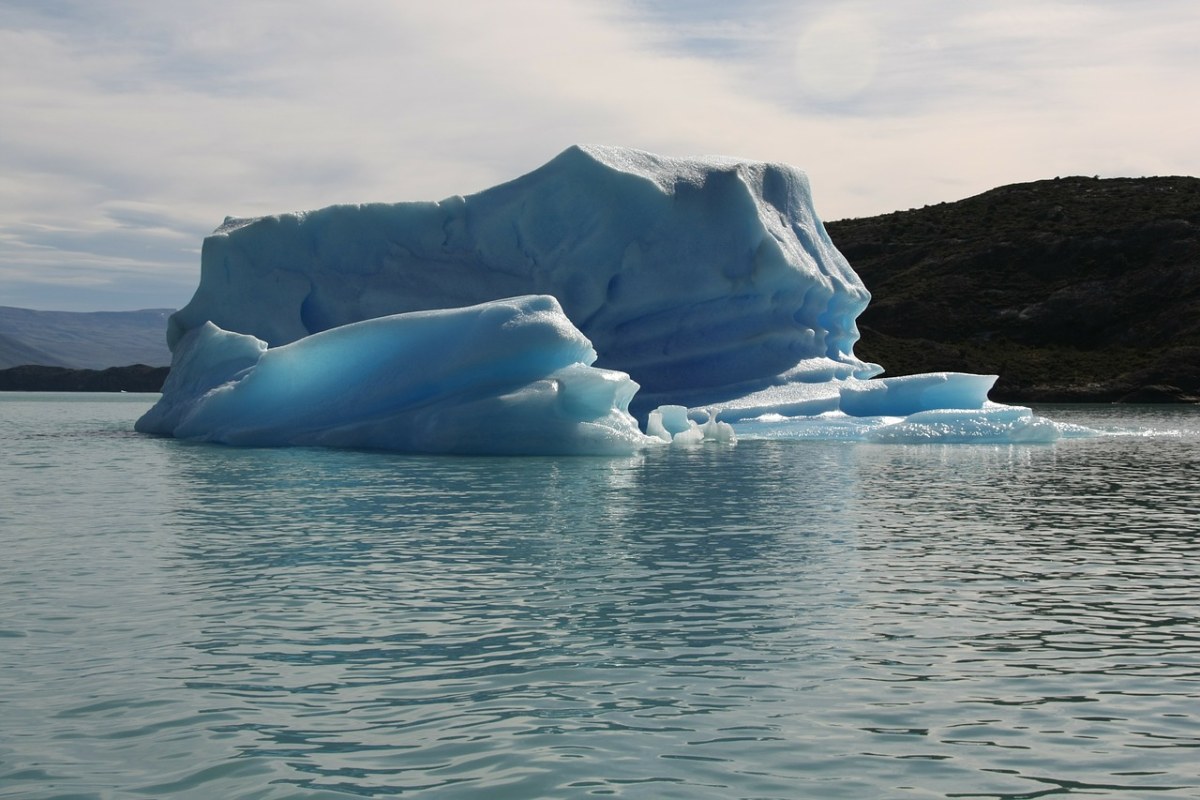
779 620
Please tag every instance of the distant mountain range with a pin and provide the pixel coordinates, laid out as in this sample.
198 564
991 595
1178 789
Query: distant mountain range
83 340
1071 289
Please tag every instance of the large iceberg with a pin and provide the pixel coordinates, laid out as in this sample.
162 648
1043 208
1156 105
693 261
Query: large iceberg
525 318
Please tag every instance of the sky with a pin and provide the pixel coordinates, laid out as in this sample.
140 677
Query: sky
129 129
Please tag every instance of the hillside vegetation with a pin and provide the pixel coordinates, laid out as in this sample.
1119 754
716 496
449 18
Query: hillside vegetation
1071 289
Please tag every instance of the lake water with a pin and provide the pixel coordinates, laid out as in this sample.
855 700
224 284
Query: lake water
774 620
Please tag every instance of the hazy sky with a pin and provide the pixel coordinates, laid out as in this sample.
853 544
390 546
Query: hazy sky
130 128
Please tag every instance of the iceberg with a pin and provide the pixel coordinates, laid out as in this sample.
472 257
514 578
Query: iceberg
549 314
510 376
700 278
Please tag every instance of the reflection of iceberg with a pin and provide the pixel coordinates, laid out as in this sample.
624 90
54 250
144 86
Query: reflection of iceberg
711 283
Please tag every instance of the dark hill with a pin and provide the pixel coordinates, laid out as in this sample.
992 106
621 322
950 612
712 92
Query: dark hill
32 378
1069 289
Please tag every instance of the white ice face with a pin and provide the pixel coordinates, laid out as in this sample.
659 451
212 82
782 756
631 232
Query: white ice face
468 325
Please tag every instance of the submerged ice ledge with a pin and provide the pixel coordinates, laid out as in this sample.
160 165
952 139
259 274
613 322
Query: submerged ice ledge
701 296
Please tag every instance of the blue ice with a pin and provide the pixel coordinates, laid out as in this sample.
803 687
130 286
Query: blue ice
607 293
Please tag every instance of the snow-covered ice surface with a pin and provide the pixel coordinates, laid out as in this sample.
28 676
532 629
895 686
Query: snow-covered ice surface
545 314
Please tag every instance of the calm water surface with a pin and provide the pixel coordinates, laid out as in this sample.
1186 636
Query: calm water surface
775 620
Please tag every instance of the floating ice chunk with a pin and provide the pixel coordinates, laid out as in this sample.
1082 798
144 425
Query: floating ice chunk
940 406
509 376
667 422
992 424
714 430
996 423
831 426
909 394
672 424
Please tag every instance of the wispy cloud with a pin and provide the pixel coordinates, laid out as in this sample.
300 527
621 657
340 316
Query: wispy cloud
130 128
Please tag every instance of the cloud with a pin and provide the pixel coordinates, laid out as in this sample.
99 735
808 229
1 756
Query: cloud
132 128
837 55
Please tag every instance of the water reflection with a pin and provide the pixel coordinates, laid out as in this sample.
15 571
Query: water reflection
460 606
779 620
679 622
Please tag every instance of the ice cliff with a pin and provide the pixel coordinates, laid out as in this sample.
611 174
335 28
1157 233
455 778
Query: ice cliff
710 283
